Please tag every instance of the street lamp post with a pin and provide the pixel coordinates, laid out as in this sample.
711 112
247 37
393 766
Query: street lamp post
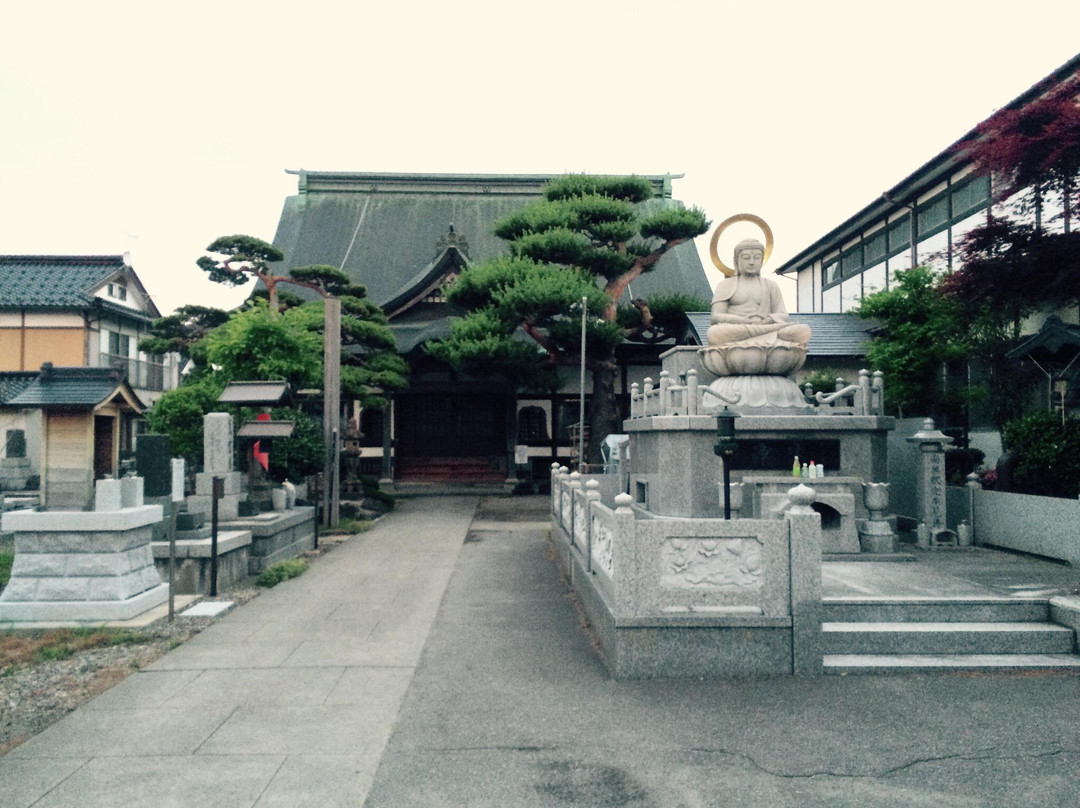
724 448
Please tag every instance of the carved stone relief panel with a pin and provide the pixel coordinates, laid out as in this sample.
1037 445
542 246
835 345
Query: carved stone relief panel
602 553
714 565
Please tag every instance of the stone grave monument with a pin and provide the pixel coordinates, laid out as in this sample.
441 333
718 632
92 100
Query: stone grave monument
15 470
84 567
218 435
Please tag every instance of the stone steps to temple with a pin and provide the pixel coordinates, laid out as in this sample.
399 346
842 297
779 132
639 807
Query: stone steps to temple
906 635
947 638
843 664
449 469
936 610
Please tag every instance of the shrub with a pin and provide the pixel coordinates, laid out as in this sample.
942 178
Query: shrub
823 381
356 525
52 653
1048 454
373 495
6 560
281 571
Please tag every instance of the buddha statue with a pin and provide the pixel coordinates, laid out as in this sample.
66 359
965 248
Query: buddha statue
751 335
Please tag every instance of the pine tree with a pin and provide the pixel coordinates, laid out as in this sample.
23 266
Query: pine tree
588 238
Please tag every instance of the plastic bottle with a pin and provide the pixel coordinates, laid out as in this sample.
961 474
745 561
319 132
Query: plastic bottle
813 471
805 469
820 470
796 469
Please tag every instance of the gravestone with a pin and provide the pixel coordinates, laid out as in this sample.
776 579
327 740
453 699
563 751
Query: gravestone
218 462
153 462
15 469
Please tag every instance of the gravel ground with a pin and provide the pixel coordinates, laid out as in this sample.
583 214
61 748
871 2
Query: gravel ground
37 694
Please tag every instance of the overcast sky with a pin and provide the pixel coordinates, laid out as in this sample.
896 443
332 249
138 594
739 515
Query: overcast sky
154 128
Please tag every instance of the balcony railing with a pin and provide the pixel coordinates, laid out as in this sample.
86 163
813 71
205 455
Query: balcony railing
140 374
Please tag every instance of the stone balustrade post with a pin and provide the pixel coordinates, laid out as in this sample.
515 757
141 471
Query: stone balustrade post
878 387
972 484
665 393
622 544
862 397
646 394
804 535
691 392
573 483
635 395
553 476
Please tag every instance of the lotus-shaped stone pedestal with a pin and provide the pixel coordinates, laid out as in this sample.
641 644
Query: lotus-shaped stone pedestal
756 375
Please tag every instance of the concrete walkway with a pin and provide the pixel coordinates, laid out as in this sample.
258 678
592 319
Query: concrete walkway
287 701
428 663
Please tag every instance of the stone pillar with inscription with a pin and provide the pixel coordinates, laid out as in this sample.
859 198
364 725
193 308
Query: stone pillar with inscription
930 483
218 436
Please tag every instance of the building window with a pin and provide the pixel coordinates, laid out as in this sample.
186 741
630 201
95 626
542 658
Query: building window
119 344
831 271
850 293
970 197
934 251
898 263
830 300
933 216
851 261
118 291
899 236
874 248
874 279
532 425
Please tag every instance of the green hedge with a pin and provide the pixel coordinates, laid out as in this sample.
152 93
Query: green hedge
1048 454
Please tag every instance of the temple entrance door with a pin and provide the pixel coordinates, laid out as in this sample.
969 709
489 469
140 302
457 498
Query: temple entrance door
447 434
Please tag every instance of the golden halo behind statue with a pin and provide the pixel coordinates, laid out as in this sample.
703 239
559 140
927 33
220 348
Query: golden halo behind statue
724 225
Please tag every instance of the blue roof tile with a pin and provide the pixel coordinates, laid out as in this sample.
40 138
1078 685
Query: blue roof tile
54 281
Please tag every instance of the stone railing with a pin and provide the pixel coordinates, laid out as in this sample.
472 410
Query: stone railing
688 397
865 397
667 398
636 572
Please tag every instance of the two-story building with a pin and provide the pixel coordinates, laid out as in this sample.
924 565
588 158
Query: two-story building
73 312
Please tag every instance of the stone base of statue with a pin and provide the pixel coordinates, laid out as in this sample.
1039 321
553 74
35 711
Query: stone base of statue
759 393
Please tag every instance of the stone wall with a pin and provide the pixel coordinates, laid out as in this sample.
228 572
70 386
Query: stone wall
1046 526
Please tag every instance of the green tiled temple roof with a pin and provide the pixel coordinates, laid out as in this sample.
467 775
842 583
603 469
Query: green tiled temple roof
385 230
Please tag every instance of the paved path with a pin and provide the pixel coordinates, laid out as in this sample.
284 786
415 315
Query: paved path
353 682
287 701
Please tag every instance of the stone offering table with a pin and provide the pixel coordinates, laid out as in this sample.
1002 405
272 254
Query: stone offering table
838 500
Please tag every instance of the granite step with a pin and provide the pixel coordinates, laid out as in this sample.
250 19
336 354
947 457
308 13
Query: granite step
843 664
936 610
964 638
